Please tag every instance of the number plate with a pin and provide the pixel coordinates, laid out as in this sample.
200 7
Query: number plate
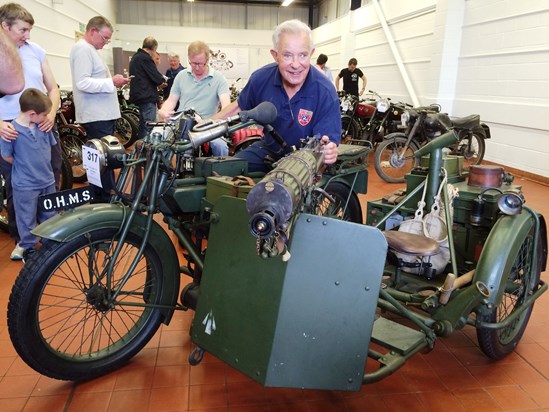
382 106
66 199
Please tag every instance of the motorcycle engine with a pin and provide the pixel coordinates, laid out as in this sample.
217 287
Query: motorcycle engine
111 152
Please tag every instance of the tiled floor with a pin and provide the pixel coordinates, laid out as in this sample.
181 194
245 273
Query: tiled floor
455 376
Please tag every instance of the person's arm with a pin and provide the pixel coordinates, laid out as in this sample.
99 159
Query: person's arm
337 82
11 69
230 110
7 151
53 94
364 81
82 66
167 109
8 159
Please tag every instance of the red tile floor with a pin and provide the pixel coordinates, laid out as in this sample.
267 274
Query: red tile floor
455 376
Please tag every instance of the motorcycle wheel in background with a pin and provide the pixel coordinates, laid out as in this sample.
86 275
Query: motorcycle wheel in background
332 202
72 149
349 129
62 318
388 162
126 129
67 179
472 147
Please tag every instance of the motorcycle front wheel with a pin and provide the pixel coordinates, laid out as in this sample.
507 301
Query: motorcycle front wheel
393 159
337 201
72 148
68 321
521 280
349 129
126 129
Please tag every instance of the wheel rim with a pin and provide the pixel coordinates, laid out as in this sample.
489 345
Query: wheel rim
77 320
123 130
519 284
395 162
72 146
470 152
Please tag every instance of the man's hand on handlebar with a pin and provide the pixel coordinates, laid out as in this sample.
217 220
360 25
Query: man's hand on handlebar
329 149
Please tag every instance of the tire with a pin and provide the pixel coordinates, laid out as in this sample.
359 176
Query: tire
66 174
126 129
72 149
335 207
349 129
521 281
472 149
60 319
3 202
386 158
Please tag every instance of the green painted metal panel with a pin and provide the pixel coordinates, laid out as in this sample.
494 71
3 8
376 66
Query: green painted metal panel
305 323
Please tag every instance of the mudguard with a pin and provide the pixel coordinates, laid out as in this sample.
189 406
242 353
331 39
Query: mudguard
504 240
87 218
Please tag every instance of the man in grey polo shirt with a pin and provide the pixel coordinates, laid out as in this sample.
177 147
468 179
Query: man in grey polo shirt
201 88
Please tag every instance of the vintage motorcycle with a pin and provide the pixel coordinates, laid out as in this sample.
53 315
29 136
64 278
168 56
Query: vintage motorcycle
267 297
394 157
118 261
355 115
385 119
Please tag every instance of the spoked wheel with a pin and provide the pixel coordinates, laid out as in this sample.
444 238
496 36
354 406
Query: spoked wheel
472 149
68 322
72 148
349 129
337 201
522 279
126 129
393 159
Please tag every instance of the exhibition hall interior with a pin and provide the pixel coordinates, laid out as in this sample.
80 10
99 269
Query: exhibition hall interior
173 271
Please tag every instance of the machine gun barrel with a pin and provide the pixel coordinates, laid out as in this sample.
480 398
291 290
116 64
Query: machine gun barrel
274 200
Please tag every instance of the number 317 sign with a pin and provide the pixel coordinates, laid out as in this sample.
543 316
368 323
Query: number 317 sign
90 161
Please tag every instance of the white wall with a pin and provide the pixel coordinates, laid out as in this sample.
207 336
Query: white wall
473 56
55 25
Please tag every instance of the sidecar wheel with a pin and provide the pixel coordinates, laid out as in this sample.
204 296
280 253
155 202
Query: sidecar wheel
390 163
339 192
62 318
521 281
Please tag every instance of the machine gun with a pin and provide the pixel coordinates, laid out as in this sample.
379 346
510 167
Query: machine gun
280 195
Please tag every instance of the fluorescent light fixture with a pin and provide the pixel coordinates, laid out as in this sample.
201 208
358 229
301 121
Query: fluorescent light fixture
286 3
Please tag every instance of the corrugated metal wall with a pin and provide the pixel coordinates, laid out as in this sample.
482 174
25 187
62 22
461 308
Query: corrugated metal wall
207 14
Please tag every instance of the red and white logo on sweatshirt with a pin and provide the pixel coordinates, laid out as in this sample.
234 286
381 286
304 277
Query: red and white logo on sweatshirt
304 117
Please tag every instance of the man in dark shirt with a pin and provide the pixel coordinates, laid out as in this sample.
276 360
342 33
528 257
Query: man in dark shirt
350 77
144 84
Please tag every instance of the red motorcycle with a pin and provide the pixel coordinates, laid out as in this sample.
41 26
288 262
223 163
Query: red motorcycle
355 115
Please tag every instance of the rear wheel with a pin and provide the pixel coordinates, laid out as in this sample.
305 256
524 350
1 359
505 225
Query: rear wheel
393 158
521 280
337 200
72 149
472 149
67 321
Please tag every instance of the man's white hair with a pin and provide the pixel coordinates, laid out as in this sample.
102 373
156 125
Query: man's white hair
292 26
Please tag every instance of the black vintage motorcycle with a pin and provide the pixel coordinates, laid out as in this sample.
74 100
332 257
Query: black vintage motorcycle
385 119
268 298
394 157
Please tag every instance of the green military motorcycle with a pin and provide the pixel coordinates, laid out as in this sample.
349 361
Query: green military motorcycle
276 289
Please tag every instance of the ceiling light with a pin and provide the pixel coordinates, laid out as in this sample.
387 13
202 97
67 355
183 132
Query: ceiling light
286 3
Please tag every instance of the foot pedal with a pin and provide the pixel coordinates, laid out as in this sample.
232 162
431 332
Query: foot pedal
396 337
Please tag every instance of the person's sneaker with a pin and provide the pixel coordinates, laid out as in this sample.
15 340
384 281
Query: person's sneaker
27 254
17 253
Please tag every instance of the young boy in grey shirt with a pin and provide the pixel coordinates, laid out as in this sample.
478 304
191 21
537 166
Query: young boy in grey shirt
32 174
